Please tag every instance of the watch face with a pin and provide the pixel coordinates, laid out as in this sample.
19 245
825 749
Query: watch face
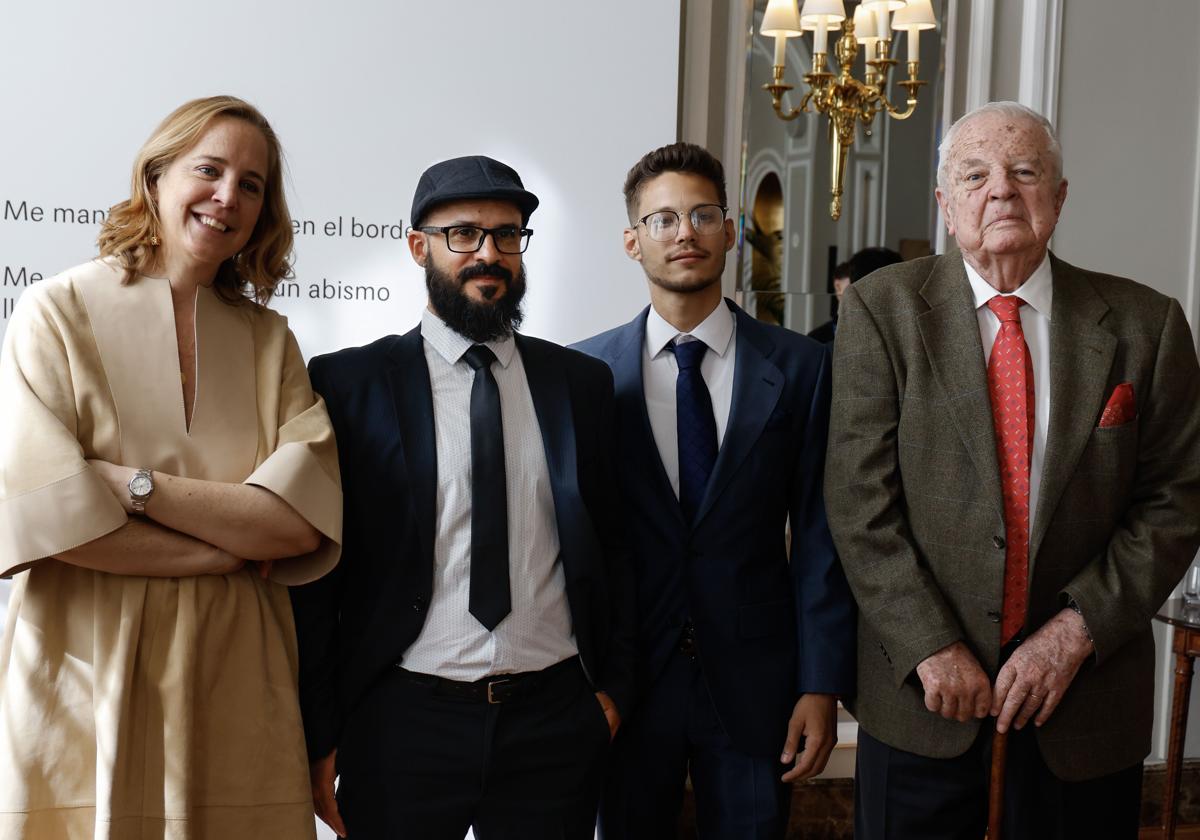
141 485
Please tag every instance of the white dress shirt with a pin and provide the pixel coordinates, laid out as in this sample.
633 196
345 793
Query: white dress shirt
1038 293
537 633
660 370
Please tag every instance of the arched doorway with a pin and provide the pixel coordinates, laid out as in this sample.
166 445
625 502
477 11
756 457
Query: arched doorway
764 234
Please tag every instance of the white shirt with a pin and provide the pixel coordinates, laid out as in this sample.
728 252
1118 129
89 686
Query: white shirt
660 370
537 633
1038 293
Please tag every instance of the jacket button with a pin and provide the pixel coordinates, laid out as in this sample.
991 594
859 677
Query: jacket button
998 542
994 615
418 604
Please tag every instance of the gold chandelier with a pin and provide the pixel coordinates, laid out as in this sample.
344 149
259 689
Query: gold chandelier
842 98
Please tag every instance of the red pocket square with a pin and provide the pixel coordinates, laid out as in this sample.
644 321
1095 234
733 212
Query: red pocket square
1121 408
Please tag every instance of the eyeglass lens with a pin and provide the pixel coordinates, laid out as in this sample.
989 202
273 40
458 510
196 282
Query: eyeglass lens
706 220
466 239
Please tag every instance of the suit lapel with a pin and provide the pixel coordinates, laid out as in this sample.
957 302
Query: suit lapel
641 450
552 404
757 384
413 399
950 333
1081 357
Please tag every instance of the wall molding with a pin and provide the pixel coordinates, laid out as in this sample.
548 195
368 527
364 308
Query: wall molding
979 53
949 85
1041 51
1192 303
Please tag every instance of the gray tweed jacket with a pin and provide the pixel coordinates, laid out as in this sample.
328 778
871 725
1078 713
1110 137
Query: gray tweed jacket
914 502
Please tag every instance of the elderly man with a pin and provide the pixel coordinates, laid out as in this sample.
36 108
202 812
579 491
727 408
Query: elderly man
1014 487
467 663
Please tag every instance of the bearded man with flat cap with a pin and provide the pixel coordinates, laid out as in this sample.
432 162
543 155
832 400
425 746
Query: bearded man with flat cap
469 661
1014 487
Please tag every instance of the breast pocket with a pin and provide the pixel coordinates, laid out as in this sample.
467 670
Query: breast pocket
1102 481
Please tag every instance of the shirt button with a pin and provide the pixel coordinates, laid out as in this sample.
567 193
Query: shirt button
998 542
994 615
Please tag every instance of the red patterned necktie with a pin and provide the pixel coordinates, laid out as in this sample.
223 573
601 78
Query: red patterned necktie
1010 385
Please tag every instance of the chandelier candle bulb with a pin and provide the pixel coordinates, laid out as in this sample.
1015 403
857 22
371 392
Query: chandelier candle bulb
821 36
864 30
782 20
914 17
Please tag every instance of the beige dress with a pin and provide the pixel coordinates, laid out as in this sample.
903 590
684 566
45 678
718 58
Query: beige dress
135 707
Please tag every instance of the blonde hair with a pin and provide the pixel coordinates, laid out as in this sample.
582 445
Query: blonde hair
131 230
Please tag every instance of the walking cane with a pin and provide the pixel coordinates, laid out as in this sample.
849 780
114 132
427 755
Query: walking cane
996 785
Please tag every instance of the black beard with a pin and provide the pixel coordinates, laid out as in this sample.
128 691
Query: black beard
479 321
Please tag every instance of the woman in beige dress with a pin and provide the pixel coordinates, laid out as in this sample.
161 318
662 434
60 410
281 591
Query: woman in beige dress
165 471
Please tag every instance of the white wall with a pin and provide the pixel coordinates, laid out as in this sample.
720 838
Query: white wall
1127 117
364 95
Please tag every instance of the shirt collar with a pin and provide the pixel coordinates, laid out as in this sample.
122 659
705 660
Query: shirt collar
716 331
1037 291
451 345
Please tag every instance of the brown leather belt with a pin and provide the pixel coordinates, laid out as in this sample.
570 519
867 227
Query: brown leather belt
499 688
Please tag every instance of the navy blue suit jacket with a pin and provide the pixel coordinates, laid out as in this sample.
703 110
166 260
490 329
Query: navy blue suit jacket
768 627
356 622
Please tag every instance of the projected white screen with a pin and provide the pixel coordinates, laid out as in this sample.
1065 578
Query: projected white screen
364 96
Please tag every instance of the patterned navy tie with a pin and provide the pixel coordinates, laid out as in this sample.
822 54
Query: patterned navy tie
695 424
489 599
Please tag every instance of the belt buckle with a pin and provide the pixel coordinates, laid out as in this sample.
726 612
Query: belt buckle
491 698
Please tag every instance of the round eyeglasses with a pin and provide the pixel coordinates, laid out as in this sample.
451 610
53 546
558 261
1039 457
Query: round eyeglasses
467 239
663 225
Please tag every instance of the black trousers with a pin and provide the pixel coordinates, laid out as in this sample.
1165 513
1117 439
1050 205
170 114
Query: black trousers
419 762
899 795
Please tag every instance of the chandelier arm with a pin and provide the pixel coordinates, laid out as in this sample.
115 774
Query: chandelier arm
846 101
788 116
896 113
777 91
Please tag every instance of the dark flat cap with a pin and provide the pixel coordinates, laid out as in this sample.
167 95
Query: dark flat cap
470 177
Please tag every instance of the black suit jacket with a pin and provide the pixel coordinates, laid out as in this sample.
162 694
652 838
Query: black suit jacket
358 621
770 624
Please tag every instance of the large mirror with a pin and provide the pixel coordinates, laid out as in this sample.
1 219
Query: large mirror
789 245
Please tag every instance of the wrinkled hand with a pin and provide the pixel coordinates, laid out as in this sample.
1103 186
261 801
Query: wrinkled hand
814 718
610 712
116 478
955 685
1037 675
322 773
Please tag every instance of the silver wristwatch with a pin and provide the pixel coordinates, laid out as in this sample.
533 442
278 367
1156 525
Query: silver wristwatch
141 488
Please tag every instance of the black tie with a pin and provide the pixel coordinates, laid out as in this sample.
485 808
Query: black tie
489 600
695 425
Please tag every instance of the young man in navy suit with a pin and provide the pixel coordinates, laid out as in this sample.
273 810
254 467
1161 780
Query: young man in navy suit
470 658
743 646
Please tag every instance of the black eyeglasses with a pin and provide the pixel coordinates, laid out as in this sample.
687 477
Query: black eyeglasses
467 239
663 225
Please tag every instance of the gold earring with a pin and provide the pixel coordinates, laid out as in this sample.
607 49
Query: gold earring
154 240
